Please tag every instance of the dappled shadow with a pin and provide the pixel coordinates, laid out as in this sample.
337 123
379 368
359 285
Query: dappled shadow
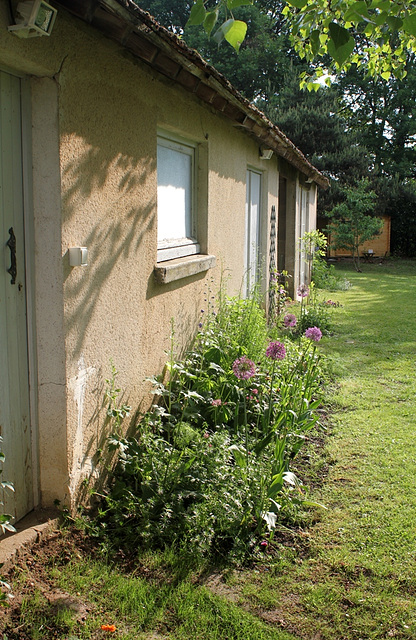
119 215
109 242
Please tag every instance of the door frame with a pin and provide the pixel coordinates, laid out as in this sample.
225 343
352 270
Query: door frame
29 234
29 254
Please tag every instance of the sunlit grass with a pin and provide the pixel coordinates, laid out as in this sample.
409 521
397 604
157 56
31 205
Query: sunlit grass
358 580
349 574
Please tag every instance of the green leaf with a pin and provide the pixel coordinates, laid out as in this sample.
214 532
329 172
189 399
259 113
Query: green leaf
315 41
198 13
4 518
233 4
275 486
234 32
394 23
299 4
213 354
383 5
310 503
239 456
262 444
339 35
357 12
210 20
340 44
409 24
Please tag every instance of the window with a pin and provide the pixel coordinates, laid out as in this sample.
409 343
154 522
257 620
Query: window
176 198
303 228
252 235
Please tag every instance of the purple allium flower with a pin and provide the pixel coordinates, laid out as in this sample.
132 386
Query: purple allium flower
289 320
244 368
216 403
313 333
303 290
276 351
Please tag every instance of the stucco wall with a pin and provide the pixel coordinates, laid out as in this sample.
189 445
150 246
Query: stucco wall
95 115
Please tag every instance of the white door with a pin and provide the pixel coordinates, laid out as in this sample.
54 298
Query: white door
252 243
14 383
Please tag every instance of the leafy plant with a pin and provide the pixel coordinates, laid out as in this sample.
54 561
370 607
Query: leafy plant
210 465
5 525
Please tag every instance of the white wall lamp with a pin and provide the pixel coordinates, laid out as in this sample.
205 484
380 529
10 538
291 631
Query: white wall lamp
33 18
265 154
78 256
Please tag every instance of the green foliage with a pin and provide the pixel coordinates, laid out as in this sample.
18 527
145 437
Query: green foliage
351 224
401 206
5 525
326 277
373 34
381 112
259 69
5 519
314 315
313 245
210 464
279 298
115 412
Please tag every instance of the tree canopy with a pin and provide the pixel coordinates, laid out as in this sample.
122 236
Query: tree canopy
362 126
377 35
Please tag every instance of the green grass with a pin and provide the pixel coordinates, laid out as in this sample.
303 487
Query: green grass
357 579
349 574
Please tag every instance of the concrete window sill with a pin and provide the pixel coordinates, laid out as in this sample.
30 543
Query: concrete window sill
180 268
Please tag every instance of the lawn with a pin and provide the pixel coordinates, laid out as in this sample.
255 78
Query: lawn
346 574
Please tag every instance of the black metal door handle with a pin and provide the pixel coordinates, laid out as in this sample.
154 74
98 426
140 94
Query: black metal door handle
11 243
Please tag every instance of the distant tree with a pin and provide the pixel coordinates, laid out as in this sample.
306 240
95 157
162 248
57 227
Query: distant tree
315 123
259 69
172 14
382 112
351 221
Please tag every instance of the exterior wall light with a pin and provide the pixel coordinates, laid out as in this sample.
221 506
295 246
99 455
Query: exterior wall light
33 18
78 256
265 154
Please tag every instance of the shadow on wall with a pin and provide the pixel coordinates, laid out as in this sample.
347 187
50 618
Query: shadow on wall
90 173
114 231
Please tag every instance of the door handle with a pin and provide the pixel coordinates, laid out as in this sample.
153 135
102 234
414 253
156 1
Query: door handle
11 243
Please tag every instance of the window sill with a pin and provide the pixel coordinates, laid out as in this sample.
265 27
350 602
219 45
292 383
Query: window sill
179 268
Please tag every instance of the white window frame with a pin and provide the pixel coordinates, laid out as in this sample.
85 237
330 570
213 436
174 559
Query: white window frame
253 231
303 228
177 247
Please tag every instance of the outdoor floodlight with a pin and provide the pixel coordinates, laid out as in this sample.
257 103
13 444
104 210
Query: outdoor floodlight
265 154
33 18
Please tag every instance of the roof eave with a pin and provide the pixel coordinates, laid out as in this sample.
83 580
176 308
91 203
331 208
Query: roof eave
139 33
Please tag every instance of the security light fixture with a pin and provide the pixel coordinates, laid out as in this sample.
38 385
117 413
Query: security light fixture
78 256
265 154
33 18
